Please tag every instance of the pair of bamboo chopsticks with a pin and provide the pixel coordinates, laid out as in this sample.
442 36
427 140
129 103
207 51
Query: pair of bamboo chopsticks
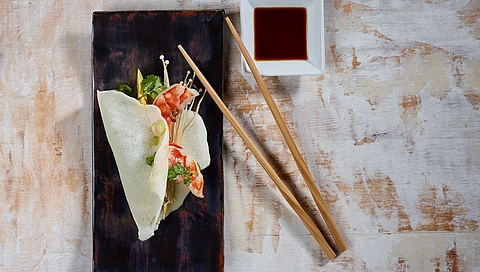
302 166
291 200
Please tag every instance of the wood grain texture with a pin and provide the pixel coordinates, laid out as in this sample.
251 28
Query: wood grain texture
390 133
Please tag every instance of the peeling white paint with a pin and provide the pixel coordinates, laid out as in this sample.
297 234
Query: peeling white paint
390 133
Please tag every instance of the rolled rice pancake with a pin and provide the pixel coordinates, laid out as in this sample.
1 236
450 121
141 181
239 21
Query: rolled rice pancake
128 128
127 125
194 143
194 140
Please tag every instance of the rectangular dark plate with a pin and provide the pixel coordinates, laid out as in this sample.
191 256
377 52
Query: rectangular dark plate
191 238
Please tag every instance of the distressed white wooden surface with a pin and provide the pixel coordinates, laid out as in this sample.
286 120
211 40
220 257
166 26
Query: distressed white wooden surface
390 132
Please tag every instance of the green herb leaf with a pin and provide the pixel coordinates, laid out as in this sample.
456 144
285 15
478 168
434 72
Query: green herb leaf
149 82
187 181
126 89
149 160
179 170
152 86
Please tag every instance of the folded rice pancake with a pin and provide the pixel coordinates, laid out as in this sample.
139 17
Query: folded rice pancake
195 144
194 140
181 192
128 128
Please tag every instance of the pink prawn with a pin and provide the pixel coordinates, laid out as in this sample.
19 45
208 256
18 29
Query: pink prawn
173 100
194 176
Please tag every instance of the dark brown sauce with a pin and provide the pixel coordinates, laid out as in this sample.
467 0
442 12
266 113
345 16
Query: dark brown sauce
280 33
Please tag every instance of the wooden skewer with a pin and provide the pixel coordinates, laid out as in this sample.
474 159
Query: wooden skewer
289 197
302 166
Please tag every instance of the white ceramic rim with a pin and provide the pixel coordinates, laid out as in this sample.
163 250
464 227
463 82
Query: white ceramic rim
315 65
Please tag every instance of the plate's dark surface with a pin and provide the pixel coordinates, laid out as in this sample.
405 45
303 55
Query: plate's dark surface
190 239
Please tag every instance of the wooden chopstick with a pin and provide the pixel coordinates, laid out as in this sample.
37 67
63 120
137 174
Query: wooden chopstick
289 197
302 166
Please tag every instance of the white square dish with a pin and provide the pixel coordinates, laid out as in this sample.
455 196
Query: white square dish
315 62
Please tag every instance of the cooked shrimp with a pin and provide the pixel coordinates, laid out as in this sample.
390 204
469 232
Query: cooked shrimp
173 100
192 177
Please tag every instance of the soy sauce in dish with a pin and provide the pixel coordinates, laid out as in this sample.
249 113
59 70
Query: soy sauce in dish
280 33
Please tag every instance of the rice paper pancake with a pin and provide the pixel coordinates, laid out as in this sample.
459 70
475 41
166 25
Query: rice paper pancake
195 144
128 129
194 140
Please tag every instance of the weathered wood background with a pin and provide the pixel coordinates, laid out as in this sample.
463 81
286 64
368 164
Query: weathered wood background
390 132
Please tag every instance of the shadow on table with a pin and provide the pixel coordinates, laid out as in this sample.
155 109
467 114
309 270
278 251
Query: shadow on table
77 151
280 87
